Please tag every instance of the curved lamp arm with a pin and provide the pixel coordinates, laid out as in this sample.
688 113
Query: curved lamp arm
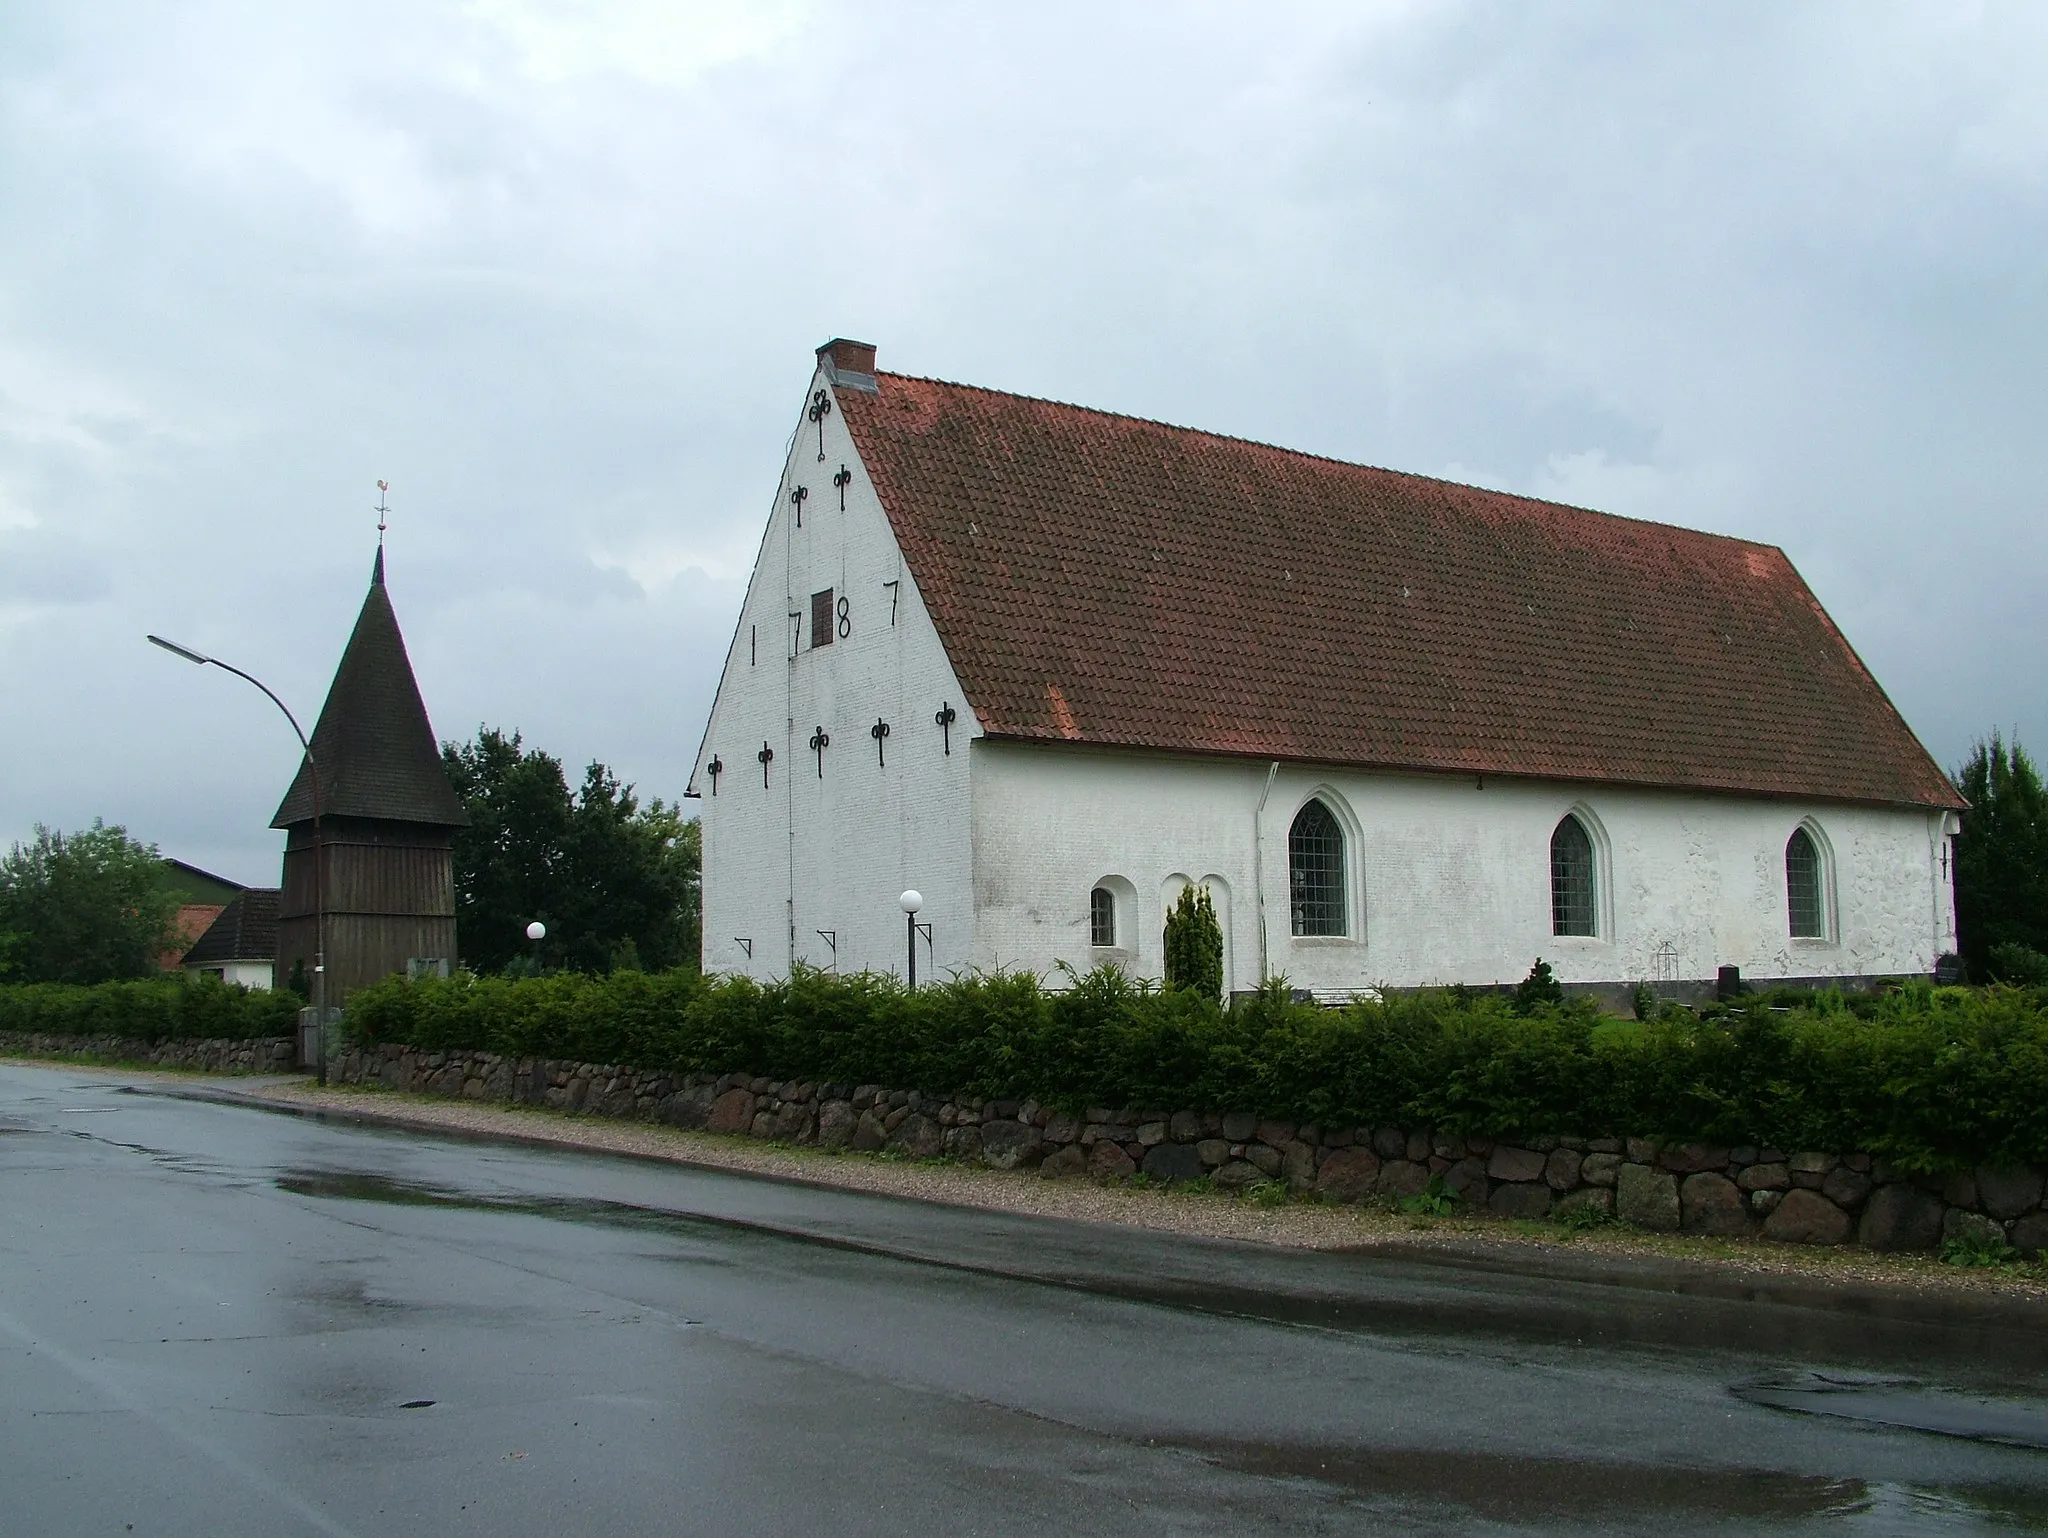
319 861
204 661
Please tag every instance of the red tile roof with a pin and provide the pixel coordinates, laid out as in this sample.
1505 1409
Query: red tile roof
1107 580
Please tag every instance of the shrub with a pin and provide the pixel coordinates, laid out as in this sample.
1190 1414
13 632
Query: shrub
1930 1078
158 1009
1540 987
1194 945
2020 965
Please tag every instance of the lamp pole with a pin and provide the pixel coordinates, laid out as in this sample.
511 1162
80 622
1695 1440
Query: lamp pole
319 849
536 932
910 902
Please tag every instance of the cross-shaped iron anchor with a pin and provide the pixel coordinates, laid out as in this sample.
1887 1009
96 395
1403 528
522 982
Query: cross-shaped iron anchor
766 757
819 743
797 497
819 409
716 767
879 731
842 480
945 718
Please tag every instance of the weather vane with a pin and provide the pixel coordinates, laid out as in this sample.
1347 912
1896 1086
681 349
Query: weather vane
383 512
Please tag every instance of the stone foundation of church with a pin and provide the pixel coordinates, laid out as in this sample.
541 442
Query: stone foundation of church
1790 1196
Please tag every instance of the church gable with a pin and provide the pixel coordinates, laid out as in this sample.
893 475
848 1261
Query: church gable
834 635
1107 580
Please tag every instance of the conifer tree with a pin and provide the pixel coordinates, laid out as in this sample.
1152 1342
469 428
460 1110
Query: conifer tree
2002 864
1194 945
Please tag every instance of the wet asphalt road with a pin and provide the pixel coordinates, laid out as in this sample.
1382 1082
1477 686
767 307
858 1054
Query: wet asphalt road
218 1320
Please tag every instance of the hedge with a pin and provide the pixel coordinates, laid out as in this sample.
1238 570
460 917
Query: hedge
1929 1078
153 1010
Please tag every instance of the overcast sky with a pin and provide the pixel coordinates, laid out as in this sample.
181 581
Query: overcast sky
556 270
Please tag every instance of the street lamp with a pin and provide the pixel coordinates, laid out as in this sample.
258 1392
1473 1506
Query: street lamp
536 932
319 851
910 902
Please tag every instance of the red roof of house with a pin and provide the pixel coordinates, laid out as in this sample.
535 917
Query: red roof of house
1102 579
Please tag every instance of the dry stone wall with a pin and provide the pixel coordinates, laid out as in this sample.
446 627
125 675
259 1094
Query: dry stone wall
1796 1197
264 1054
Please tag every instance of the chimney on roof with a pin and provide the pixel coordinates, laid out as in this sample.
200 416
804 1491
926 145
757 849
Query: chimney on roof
849 357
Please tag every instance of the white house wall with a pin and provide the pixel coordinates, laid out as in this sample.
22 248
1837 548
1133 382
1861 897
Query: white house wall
1448 877
832 851
259 975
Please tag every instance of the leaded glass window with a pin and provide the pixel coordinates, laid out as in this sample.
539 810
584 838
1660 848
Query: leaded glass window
1803 887
1102 916
1571 880
1315 871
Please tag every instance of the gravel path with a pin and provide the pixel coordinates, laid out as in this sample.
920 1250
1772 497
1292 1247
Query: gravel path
1297 1224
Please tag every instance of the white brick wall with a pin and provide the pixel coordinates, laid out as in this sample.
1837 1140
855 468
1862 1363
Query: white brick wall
1453 879
813 853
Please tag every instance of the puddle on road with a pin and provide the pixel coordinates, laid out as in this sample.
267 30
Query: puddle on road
1501 1488
399 1193
1576 1496
344 1186
1904 1404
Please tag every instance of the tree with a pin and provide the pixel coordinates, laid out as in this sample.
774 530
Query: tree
2002 863
617 883
1194 945
86 907
1539 988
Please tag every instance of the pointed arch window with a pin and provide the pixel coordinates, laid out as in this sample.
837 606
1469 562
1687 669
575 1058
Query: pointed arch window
1573 900
1315 871
1805 895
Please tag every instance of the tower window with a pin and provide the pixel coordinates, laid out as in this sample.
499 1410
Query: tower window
821 619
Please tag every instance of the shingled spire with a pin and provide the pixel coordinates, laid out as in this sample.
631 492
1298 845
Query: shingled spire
376 750
381 868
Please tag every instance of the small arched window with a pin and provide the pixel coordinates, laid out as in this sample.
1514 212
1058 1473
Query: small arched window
1315 871
1102 916
1804 896
1572 904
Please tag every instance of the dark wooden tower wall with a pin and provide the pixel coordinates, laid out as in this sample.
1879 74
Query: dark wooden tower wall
387 817
390 900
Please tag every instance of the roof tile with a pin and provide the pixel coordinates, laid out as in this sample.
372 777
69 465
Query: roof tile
1110 580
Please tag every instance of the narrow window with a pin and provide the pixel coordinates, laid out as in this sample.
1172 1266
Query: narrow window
1315 871
1571 879
821 619
1803 887
753 645
1102 916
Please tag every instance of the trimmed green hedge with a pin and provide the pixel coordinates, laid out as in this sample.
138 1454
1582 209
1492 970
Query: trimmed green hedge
157 1009
1931 1078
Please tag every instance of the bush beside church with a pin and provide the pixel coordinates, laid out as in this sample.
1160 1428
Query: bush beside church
1928 1080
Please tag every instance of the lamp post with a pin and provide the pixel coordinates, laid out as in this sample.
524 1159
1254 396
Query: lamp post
910 902
319 850
536 932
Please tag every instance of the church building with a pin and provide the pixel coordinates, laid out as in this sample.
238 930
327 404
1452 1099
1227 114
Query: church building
1047 666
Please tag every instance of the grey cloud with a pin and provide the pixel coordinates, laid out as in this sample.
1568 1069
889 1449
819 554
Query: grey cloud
1766 271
